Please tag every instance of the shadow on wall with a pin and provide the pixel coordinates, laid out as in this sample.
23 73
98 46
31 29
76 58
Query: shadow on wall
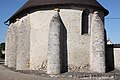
63 48
109 55
109 58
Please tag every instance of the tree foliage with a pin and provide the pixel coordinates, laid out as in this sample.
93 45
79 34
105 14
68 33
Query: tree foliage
2 48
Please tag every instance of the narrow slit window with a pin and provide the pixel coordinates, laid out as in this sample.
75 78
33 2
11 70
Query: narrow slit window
85 21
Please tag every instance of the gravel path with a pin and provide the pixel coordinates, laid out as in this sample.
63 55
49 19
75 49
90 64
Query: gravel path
6 74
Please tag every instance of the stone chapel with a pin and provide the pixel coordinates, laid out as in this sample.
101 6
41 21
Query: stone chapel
58 36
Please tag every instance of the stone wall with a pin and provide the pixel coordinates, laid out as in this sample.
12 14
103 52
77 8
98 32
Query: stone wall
117 58
97 46
39 39
23 43
32 40
77 45
13 46
7 48
10 57
112 57
110 65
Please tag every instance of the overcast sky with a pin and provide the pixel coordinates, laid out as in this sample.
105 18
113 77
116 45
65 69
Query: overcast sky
9 7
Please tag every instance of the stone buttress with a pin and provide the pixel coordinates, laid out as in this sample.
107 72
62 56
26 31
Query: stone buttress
97 46
55 44
23 44
7 48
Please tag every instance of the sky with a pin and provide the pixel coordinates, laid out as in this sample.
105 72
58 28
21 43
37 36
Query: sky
112 21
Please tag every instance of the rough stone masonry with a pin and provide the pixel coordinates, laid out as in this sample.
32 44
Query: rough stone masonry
58 36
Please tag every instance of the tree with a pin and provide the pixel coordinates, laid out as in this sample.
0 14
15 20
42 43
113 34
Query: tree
2 45
2 48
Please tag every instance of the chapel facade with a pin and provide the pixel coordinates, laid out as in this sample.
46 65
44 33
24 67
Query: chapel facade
58 36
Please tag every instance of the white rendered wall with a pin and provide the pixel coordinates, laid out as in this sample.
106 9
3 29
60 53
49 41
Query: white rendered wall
12 55
23 44
39 38
7 47
77 45
32 40
117 58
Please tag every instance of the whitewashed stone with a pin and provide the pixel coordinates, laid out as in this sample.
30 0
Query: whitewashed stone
23 44
32 40
10 47
77 45
12 55
7 48
39 38
97 46
117 58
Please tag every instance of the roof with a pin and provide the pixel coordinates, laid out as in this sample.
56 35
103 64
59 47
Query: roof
36 3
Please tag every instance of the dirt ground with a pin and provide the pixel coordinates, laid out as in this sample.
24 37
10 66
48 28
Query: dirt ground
6 74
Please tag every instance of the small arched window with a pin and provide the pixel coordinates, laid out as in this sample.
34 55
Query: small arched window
85 21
